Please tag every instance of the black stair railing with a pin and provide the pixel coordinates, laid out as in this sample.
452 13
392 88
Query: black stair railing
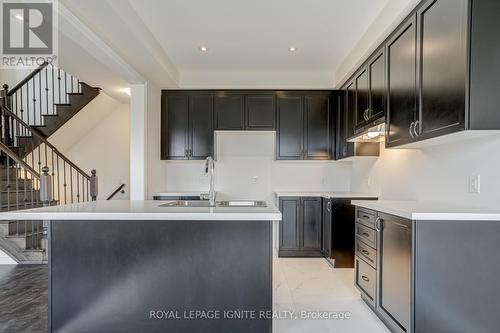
40 92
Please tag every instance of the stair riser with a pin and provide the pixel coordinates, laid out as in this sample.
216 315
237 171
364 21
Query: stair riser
21 228
21 197
21 184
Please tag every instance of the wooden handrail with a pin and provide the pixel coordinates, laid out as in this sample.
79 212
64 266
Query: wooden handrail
27 78
116 192
13 155
45 141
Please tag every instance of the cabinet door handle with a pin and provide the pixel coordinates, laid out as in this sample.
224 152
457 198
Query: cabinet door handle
186 153
417 123
365 278
329 206
365 252
411 129
366 234
379 224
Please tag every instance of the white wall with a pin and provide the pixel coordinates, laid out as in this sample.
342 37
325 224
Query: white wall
12 76
98 137
244 155
439 173
388 19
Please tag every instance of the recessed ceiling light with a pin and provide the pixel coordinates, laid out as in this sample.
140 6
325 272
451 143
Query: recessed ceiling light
19 17
292 49
203 49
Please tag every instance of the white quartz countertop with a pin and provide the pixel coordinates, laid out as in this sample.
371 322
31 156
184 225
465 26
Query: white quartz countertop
327 195
143 210
417 210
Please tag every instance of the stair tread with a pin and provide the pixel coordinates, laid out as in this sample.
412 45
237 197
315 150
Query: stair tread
62 104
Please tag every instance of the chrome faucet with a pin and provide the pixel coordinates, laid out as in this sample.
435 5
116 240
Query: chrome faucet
209 171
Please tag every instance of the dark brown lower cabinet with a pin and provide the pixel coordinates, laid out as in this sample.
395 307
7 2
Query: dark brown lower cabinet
300 228
383 266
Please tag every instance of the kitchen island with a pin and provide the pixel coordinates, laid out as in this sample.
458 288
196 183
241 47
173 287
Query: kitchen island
133 266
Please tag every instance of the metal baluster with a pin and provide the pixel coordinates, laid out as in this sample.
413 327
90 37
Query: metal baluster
71 182
65 184
93 185
59 80
77 189
47 89
53 91
8 182
40 95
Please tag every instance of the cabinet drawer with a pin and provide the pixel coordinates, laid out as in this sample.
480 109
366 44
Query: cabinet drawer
367 235
366 278
366 217
366 252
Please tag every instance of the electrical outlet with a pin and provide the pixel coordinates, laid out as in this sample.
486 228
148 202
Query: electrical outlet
255 179
475 184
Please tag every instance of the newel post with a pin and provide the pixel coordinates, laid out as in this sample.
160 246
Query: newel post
45 187
93 185
46 199
4 101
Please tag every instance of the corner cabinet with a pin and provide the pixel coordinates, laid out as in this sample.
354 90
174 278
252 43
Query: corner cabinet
300 229
304 126
186 126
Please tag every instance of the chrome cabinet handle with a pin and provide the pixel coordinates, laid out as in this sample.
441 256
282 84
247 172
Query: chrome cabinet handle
411 129
365 278
379 224
329 206
417 123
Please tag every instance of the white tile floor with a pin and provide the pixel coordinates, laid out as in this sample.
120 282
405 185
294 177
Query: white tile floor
310 284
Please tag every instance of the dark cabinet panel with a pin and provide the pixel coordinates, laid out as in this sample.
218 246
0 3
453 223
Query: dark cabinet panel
201 134
394 267
402 98
350 116
317 138
343 148
174 127
290 128
342 233
362 98
443 67
229 111
300 228
326 241
377 86
261 112
311 223
290 224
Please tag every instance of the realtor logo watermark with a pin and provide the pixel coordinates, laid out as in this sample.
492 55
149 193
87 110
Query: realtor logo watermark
29 33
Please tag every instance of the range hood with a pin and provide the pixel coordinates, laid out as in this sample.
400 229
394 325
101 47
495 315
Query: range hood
374 132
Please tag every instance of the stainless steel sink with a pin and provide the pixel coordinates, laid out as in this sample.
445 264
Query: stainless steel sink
186 203
241 203
206 203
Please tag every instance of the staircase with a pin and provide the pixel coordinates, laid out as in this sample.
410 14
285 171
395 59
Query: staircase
30 113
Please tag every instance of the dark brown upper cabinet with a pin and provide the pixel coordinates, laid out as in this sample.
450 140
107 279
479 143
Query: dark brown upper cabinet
186 126
401 84
290 131
260 111
442 67
304 127
245 110
362 98
377 87
229 110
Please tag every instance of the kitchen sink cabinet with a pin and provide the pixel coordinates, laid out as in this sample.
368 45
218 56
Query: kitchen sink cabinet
304 126
300 233
186 126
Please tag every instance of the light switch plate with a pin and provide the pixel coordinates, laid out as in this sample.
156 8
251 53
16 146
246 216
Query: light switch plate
474 184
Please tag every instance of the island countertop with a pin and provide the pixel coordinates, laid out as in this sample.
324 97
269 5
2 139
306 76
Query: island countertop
143 210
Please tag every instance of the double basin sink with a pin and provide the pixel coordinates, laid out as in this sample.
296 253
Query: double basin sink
206 203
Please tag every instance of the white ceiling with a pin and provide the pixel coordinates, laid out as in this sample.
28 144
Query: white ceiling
254 35
248 40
